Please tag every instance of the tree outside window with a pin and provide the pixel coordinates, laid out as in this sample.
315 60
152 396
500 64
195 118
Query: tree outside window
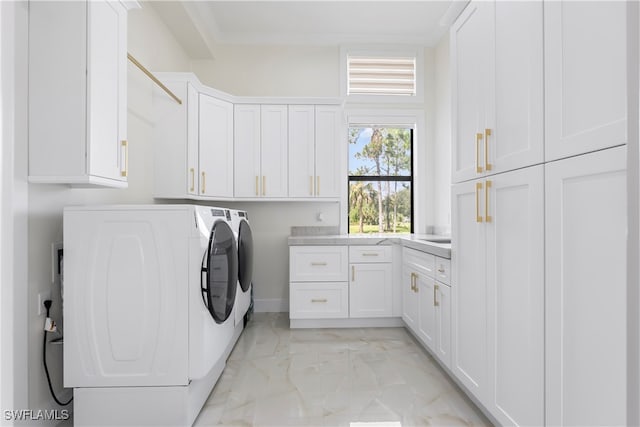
380 179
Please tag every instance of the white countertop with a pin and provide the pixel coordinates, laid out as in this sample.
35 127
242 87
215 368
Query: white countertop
414 241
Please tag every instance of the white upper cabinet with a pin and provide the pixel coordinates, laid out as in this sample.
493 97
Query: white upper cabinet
585 76
78 93
314 150
497 86
330 151
215 143
261 139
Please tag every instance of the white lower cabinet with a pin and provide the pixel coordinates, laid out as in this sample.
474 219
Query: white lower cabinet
498 293
585 351
319 300
370 285
427 302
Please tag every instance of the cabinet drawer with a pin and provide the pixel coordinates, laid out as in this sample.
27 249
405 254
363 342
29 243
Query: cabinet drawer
443 270
421 260
318 264
320 300
367 254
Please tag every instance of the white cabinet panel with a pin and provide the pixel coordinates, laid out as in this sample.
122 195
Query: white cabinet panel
215 142
330 151
585 335
302 141
319 300
585 76
246 136
515 303
318 263
469 289
427 310
370 290
409 299
443 324
274 146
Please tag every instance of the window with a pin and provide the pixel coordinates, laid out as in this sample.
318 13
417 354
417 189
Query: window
390 74
380 179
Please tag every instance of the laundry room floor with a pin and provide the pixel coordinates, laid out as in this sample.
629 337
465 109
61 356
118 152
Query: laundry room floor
278 376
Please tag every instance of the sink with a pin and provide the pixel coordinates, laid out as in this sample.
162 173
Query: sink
437 240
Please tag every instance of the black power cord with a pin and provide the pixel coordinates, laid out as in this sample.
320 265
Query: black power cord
47 305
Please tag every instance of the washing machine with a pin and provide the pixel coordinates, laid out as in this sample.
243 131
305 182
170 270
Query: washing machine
244 293
149 310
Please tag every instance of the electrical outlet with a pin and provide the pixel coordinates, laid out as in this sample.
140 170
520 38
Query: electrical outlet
56 262
42 297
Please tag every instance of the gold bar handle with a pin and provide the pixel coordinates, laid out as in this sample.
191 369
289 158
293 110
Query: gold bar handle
125 148
478 141
353 273
487 217
369 254
411 282
415 282
311 185
316 264
478 188
319 300
264 185
435 295
204 183
193 179
487 166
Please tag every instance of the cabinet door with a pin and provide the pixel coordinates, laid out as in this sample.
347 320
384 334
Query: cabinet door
273 151
585 76
246 136
193 183
215 147
443 324
106 90
585 298
330 176
370 290
516 114
409 299
426 310
515 303
301 150
468 287
471 42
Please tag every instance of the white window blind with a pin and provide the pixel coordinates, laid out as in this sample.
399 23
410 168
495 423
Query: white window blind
378 75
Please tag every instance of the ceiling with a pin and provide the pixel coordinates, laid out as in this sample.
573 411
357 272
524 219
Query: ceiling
200 25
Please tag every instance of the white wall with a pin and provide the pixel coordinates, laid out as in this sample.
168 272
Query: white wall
154 46
442 155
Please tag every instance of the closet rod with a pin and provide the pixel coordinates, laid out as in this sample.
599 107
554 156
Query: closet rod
152 77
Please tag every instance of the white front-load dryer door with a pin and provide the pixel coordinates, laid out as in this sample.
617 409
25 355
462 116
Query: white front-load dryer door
126 299
245 269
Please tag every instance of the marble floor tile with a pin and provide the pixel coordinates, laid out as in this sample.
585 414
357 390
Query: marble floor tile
360 377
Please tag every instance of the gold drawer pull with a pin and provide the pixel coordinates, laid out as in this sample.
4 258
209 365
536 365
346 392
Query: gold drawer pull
478 141
478 188
319 300
315 264
487 165
370 254
435 296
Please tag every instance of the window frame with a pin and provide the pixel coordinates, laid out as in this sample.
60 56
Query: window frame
389 51
386 178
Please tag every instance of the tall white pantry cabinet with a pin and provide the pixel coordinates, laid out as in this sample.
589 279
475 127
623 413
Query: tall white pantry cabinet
539 210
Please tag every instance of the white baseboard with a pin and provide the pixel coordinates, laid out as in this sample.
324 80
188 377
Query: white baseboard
270 305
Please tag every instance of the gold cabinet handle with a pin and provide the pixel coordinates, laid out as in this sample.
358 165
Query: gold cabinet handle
125 147
478 141
435 295
370 254
310 185
412 285
353 273
257 183
319 300
415 281
318 185
487 217
264 185
478 188
204 183
318 264
487 166
193 179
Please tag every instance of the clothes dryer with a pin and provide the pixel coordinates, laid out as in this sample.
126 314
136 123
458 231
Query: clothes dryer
244 295
149 320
